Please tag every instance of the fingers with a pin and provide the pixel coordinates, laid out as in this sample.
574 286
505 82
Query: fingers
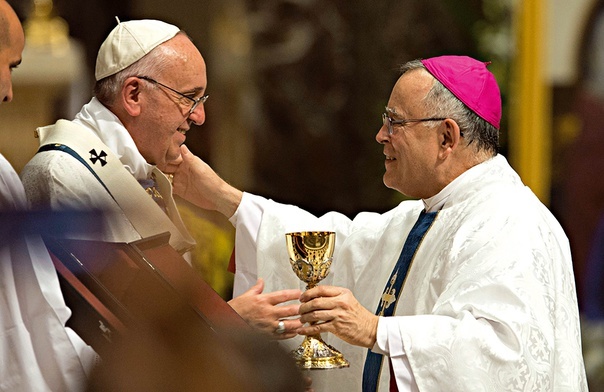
320 315
321 291
284 311
279 297
276 297
325 303
264 311
308 384
290 329
336 310
315 329
321 310
325 298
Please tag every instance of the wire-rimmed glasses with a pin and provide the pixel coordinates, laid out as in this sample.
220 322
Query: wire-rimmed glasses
184 99
389 121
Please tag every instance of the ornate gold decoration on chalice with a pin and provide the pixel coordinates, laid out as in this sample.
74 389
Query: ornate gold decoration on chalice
310 255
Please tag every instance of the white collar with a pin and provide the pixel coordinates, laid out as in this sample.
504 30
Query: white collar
437 201
107 127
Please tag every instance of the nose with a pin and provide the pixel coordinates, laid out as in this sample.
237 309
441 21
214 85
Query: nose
9 93
198 116
382 134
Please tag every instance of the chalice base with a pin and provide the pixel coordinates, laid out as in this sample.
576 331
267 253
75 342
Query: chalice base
314 353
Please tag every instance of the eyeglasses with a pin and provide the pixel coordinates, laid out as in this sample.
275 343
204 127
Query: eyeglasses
389 121
184 99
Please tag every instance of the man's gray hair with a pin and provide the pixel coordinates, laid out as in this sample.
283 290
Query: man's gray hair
441 102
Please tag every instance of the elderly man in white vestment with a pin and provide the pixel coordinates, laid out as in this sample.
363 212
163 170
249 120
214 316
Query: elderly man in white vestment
37 351
151 87
469 288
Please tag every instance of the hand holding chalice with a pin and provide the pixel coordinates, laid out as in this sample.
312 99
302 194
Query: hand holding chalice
310 255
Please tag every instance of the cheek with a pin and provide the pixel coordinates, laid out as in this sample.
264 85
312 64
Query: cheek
162 144
408 161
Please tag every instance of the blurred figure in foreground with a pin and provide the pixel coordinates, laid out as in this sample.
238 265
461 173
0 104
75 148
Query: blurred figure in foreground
37 351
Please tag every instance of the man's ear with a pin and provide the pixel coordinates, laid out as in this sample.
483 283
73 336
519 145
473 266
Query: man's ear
131 95
450 136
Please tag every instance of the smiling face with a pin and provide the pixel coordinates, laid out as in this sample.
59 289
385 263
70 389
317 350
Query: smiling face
159 127
12 42
412 150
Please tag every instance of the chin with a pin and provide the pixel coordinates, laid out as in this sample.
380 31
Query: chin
173 154
387 181
392 185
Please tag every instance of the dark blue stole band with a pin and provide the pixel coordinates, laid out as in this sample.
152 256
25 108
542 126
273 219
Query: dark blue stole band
388 301
68 150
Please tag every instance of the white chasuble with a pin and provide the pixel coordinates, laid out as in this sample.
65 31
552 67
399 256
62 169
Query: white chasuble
37 351
489 302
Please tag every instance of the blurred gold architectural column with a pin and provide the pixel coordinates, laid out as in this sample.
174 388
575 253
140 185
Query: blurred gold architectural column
530 122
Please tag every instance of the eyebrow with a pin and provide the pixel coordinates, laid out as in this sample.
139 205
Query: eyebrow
390 110
194 91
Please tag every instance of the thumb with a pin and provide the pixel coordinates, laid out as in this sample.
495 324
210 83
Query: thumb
258 287
185 152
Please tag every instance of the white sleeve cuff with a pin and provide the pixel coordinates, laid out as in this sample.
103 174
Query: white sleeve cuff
246 220
389 342
381 341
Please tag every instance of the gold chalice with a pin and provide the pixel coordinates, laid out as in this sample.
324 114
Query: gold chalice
310 255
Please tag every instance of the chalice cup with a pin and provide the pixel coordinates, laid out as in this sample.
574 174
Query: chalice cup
310 255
